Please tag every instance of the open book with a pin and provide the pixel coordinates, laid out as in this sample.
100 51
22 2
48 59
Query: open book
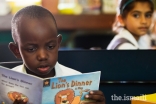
55 90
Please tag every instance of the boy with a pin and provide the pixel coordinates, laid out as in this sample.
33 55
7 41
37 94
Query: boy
36 42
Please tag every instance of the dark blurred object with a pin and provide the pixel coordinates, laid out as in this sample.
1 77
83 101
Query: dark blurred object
5 54
115 65
11 64
91 39
153 44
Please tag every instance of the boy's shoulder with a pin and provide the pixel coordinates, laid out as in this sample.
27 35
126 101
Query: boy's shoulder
19 68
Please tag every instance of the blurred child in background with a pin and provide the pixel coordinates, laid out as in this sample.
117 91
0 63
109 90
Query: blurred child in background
133 21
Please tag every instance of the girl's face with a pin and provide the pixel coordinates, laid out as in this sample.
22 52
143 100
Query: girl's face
138 20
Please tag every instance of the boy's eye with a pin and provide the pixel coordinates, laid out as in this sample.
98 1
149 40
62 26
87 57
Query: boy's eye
136 15
50 46
31 49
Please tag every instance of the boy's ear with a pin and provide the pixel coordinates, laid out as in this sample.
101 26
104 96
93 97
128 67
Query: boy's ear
14 49
121 20
59 37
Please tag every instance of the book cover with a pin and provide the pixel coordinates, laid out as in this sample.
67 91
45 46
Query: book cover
55 90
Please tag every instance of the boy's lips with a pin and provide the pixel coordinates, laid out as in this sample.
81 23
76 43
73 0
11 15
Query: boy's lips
43 68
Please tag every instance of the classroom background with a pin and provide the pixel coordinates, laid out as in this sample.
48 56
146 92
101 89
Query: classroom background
84 24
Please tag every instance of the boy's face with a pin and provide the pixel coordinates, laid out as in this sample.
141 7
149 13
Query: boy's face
138 20
38 44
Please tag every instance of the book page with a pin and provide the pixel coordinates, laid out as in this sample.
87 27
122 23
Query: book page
70 89
13 83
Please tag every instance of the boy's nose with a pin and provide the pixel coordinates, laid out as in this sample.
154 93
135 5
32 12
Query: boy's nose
42 55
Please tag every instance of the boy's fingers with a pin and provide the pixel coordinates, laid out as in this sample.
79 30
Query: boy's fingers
96 93
16 101
20 101
94 103
97 98
25 101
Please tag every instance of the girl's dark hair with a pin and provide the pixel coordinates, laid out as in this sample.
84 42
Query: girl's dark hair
128 5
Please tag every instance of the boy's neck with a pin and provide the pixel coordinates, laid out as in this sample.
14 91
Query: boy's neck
50 74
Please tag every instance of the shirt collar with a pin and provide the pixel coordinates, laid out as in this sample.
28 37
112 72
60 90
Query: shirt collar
58 72
127 35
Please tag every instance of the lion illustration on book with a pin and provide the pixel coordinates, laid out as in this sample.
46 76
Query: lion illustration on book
68 96
13 94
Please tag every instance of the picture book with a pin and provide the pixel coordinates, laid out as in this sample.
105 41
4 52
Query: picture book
56 90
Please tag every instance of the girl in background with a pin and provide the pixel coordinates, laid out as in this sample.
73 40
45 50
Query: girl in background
135 17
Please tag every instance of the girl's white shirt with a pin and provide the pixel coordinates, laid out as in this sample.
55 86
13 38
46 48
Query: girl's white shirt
145 42
125 46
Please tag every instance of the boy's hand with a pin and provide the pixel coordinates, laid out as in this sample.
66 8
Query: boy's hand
98 96
20 101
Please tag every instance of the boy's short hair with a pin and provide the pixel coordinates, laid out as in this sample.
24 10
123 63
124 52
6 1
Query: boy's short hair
34 12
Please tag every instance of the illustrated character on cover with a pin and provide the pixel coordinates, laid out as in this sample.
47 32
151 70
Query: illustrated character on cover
12 95
68 97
